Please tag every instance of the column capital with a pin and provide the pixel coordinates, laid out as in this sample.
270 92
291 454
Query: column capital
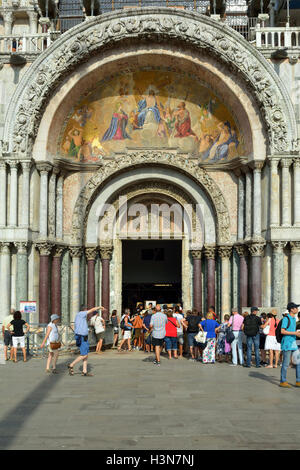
2 164
278 245
58 250
286 162
273 162
196 254
210 251
106 252
5 247
224 251
44 248
13 164
242 250
257 165
22 247
91 253
295 247
44 167
76 251
296 162
256 248
26 165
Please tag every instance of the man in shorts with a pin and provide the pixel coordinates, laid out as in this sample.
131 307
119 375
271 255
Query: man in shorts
82 338
158 330
7 336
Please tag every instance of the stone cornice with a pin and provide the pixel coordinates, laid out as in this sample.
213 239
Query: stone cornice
164 24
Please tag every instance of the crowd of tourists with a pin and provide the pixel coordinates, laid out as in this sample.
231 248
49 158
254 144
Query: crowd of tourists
177 334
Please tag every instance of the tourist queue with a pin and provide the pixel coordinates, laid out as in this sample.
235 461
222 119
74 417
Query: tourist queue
200 338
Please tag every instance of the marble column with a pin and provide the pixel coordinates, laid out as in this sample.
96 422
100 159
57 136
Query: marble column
45 249
286 192
257 165
52 204
5 278
278 273
91 254
22 272
33 17
25 193
105 254
13 198
59 206
256 251
225 253
3 194
248 204
8 21
274 192
243 275
76 253
295 272
44 169
296 179
197 283
56 280
241 206
209 252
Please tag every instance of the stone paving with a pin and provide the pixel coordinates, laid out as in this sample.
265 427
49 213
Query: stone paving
131 404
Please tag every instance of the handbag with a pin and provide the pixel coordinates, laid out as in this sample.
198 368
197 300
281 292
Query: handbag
201 337
229 334
266 330
55 345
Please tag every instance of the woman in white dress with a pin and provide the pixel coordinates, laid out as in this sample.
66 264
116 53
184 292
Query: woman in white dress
52 336
271 343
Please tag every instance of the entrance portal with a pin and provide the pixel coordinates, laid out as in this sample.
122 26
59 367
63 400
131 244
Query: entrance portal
151 272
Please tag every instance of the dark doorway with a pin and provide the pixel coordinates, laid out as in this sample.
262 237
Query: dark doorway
151 270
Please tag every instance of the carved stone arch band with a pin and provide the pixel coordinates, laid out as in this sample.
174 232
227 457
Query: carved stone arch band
142 158
91 37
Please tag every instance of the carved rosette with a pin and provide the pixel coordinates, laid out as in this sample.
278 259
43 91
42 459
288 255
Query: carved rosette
87 39
256 249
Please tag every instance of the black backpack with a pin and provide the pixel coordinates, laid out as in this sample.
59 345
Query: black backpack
122 324
278 334
251 326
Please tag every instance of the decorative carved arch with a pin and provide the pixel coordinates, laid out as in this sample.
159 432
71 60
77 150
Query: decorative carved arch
135 159
93 36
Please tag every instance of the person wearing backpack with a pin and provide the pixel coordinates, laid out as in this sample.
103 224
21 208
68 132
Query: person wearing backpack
251 328
288 344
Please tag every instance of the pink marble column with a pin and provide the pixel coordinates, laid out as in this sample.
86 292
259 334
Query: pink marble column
105 253
256 251
45 251
243 275
56 280
91 254
197 282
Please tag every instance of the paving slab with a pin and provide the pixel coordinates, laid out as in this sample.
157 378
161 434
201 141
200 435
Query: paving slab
131 404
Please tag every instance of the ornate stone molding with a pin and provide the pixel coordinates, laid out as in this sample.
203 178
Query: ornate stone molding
224 251
256 249
106 252
44 248
136 158
157 24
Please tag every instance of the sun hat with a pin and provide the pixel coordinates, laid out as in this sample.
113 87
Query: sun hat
54 317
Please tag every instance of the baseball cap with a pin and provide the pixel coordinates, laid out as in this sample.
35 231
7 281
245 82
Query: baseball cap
291 305
54 317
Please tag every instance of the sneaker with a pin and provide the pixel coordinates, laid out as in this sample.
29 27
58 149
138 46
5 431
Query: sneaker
284 384
191 359
232 365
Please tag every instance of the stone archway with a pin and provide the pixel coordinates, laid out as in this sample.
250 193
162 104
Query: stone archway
106 31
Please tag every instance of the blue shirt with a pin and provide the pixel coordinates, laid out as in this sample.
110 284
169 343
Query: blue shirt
209 326
81 324
288 343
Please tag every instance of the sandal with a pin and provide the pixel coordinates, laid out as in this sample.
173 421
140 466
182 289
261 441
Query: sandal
71 370
54 371
87 374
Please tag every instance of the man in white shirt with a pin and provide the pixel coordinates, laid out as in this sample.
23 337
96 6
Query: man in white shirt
99 325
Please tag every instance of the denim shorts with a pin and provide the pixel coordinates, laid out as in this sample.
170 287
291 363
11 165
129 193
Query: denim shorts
171 343
191 339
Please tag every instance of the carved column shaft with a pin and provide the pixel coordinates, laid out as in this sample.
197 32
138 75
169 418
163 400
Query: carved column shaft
25 194
52 204
241 206
286 195
44 169
278 273
248 205
257 199
59 207
13 199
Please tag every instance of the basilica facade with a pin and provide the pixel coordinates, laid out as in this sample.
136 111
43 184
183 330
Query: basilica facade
149 154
